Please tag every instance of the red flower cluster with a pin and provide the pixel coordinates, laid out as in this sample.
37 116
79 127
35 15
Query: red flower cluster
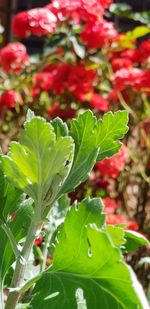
114 219
9 98
79 10
141 54
75 79
57 111
110 205
112 167
96 34
120 63
13 57
98 102
132 77
80 80
39 21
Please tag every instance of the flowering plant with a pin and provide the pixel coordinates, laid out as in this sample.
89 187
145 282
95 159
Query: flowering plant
87 265
85 63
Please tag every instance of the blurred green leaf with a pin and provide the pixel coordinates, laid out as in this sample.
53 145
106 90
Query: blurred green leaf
121 9
135 33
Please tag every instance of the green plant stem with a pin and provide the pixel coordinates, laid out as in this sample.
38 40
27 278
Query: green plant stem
126 106
21 263
11 238
45 250
1 295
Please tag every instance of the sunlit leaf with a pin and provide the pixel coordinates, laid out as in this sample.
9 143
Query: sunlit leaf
88 267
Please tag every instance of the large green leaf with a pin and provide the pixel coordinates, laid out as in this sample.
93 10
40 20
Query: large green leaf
87 268
94 140
39 163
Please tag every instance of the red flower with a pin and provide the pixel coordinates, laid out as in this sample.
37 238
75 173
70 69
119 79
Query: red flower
98 102
127 77
62 76
59 72
39 21
131 54
132 225
143 83
20 25
43 81
38 241
13 57
110 205
80 81
105 3
114 219
57 111
9 98
113 97
144 51
80 10
96 34
120 63
112 167
138 55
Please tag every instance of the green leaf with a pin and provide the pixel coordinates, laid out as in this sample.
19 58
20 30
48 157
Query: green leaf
136 33
120 9
10 196
116 234
60 127
87 264
30 115
94 140
143 17
86 150
19 228
79 49
39 163
134 240
111 128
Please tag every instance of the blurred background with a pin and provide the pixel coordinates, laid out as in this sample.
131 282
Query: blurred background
8 8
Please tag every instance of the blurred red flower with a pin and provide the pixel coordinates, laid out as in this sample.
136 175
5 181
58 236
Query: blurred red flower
38 21
120 63
115 219
14 57
80 80
98 102
132 225
9 98
80 10
56 111
110 205
96 34
112 167
38 241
